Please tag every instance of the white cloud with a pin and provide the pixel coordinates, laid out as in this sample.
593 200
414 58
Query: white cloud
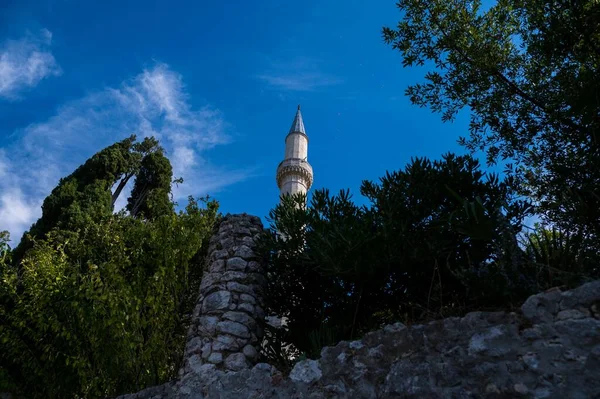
25 62
299 74
3 164
16 212
301 81
154 103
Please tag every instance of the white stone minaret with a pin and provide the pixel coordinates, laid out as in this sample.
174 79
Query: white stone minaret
294 173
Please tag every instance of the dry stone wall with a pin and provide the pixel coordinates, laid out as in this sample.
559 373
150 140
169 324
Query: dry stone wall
225 330
550 349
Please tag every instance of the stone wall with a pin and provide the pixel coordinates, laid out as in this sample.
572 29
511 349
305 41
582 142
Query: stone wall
550 349
225 326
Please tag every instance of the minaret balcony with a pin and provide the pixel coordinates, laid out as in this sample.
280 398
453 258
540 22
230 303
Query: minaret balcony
295 166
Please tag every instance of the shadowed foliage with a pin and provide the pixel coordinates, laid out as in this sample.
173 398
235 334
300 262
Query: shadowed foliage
437 238
98 304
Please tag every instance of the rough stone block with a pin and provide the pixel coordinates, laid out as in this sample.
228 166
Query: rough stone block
247 298
394 328
572 314
584 331
208 324
236 264
243 251
220 254
206 350
226 343
240 317
218 266
216 301
236 362
193 346
194 362
306 371
233 275
489 342
241 231
250 352
215 358
233 328
249 242
542 307
227 242
584 295
246 307
209 279
242 288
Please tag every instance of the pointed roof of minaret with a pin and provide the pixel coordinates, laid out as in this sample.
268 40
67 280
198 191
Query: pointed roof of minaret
298 124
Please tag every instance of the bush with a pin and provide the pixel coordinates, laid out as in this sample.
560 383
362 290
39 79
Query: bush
436 239
98 311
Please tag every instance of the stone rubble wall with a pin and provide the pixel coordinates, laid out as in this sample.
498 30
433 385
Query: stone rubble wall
549 349
225 327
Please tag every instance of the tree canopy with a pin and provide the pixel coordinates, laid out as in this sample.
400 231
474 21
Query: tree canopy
528 73
95 304
443 237
420 247
86 194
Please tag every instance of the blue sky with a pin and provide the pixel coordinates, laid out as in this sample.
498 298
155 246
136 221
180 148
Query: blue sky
218 82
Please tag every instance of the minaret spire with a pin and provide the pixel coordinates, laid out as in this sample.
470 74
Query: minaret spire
298 124
294 173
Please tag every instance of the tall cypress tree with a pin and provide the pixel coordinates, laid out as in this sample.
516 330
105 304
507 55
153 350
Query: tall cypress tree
86 194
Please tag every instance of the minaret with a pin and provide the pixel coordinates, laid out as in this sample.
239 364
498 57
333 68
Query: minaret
294 173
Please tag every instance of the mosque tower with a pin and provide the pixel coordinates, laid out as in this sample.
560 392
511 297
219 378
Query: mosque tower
294 173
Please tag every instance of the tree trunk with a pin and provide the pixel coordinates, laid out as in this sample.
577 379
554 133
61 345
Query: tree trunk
120 188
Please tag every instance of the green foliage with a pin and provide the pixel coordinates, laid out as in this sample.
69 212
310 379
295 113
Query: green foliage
87 190
418 249
527 71
99 310
85 195
436 239
97 305
4 247
558 257
150 194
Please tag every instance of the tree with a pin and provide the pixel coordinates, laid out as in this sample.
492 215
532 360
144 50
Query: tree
97 305
85 195
528 72
313 272
423 208
415 251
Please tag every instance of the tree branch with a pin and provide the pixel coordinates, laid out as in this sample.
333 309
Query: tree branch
120 188
513 87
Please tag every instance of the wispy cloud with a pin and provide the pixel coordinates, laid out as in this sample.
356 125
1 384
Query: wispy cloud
299 74
25 62
153 103
16 211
